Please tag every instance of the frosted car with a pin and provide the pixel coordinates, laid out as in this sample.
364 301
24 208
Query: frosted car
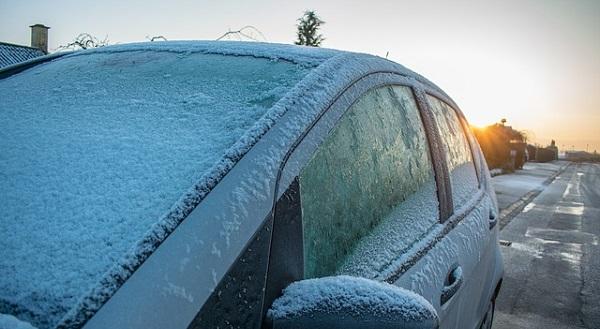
239 185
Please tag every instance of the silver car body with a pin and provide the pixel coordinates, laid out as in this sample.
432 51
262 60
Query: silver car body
170 287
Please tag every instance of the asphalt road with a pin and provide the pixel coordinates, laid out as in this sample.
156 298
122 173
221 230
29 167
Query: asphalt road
552 267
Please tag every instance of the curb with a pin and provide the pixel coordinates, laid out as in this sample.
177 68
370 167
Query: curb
507 214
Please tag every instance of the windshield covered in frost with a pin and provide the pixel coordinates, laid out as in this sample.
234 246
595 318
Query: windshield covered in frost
96 148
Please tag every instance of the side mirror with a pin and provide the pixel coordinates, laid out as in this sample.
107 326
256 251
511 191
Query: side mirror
350 303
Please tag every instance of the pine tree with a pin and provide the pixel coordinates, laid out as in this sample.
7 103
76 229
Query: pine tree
308 28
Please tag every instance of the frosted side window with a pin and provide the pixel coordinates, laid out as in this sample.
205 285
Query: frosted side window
368 192
463 177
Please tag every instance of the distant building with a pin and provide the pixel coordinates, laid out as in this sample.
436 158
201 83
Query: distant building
11 54
582 156
552 147
531 152
548 153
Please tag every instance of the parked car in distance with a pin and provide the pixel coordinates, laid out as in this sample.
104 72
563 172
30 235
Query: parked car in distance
240 185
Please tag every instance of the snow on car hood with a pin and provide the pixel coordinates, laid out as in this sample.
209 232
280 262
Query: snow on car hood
106 151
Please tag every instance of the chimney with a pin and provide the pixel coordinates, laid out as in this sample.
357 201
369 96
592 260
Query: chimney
39 37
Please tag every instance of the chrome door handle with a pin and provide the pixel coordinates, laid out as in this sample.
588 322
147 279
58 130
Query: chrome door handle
493 218
453 283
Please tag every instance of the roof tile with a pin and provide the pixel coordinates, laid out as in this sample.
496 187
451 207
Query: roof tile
12 54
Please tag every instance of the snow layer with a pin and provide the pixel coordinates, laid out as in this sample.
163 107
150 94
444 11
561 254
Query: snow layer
336 70
106 151
374 159
303 102
467 242
10 322
306 56
348 295
463 179
410 222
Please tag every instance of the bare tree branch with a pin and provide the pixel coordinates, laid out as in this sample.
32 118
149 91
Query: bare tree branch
85 41
244 33
156 37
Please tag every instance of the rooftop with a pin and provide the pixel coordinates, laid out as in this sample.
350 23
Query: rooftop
12 54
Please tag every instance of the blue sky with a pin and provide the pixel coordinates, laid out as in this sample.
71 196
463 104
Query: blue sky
536 63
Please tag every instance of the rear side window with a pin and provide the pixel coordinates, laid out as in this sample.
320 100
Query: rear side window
463 177
369 190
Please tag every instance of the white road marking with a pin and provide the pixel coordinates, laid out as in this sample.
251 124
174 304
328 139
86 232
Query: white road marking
529 207
578 210
568 190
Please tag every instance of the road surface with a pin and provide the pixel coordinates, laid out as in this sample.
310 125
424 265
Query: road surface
552 267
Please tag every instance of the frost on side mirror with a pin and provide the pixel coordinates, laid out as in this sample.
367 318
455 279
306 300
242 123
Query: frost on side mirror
350 303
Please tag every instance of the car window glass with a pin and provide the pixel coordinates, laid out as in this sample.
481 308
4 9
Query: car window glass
472 141
369 191
463 177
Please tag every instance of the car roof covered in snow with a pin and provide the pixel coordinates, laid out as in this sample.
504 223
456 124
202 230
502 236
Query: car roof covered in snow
311 56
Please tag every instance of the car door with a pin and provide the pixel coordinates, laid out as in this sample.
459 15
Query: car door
359 195
472 210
